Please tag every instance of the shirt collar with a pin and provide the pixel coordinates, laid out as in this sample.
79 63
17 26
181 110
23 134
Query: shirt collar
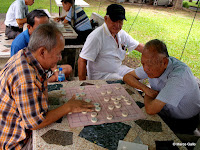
106 30
27 36
36 65
167 70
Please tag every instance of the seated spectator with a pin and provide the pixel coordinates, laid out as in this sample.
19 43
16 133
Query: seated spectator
105 48
23 88
16 17
35 18
173 92
82 24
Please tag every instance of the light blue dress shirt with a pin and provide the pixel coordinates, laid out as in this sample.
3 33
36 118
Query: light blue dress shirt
177 88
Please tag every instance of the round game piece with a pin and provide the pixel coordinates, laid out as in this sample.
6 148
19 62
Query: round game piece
77 95
116 102
128 102
87 100
109 91
118 97
96 104
97 108
103 93
94 114
113 98
98 86
106 99
126 99
63 92
117 87
79 98
118 106
111 107
94 120
83 94
109 117
84 112
123 96
124 114
82 88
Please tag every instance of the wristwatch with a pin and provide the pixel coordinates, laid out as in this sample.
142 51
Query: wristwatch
55 70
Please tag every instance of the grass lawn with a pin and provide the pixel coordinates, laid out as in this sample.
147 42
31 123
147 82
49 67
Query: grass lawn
193 3
171 26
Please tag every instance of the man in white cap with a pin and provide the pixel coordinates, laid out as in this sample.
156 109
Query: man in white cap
105 48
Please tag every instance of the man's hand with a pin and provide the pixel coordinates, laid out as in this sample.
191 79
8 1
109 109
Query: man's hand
57 19
151 93
79 105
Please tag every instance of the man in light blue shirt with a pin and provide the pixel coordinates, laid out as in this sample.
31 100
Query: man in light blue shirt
174 93
34 19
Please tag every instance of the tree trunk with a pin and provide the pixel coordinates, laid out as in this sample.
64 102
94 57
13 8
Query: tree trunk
178 4
190 0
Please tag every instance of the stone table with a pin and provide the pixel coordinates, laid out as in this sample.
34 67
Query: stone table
147 138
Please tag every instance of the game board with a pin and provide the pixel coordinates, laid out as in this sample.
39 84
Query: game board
94 93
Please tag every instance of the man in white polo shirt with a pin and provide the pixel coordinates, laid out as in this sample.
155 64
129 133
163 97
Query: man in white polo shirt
16 17
173 92
105 48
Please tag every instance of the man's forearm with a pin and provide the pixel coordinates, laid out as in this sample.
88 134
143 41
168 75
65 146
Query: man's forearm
81 69
53 116
21 22
132 81
148 102
140 48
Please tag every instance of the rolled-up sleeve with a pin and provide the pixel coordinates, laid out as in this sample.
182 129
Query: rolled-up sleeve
91 48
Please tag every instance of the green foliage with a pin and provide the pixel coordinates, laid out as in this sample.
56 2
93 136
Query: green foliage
186 5
4 5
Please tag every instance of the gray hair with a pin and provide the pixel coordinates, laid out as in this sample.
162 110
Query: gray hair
157 46
45 35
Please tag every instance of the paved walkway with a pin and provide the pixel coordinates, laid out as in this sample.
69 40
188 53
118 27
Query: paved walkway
5 44
2 25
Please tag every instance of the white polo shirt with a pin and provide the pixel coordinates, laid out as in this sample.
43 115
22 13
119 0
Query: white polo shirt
104 56
177 88
17 10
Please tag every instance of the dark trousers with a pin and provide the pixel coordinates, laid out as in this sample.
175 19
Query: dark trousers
12 32
182 126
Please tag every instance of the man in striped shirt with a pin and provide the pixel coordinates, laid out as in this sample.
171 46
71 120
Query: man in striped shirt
23 90
82 24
